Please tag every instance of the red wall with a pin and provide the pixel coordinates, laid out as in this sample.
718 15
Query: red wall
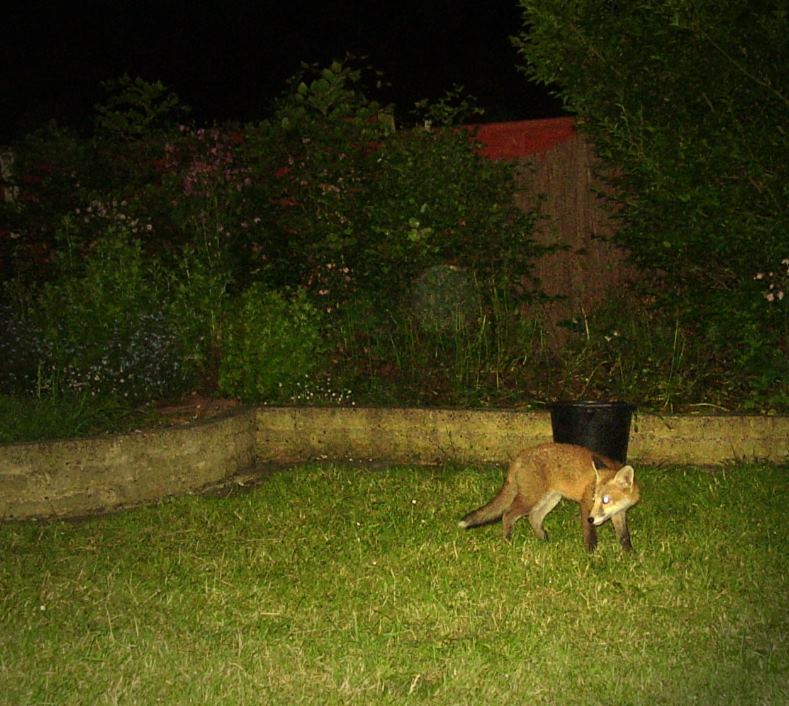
527 137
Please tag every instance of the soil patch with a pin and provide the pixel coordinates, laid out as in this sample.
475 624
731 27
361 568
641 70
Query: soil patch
193 409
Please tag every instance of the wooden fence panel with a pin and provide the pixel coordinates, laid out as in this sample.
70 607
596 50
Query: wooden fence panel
556 174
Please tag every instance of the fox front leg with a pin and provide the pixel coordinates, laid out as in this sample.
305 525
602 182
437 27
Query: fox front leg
623 534
590 534
587 525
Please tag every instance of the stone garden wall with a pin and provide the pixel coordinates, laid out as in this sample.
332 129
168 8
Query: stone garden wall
84 476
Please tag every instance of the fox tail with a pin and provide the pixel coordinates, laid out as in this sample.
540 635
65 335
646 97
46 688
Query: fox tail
492 511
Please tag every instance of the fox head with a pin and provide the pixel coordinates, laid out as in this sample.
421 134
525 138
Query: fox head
614 495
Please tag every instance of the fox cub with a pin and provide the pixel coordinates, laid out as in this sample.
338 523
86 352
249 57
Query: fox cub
541 476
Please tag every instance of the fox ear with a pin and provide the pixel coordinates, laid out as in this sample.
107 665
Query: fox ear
624 476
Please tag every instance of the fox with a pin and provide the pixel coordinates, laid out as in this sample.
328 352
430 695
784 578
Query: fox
540 476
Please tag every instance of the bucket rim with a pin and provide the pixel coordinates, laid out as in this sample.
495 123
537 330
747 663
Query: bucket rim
592 404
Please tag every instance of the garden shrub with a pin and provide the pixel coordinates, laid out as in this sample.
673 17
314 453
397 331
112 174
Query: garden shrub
100 328
313 159
453 207
51 165
362 210
135 110
362 213
271 344
686 103
410 259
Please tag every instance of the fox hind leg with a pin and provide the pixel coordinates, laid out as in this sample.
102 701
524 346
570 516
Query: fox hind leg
541 508
517 509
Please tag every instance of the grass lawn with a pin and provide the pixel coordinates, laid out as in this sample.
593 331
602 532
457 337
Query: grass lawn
337 585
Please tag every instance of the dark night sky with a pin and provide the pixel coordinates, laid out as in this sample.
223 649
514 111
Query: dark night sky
228 58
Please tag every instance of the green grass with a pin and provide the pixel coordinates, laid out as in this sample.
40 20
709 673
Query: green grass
332 585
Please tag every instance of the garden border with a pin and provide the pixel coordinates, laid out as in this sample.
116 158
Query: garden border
75 477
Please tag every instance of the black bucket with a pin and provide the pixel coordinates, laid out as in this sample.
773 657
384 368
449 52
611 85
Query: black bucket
603 427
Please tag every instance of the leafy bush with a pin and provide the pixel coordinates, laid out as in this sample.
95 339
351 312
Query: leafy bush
270 345
99 329
686 102
323 195
159 253
360 209
362 214
51 166
453 207
136 109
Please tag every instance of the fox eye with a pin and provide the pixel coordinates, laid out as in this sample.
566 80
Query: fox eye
606 499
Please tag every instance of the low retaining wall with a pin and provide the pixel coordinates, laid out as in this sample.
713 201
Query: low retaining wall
81 476
425 436
708 440
438 435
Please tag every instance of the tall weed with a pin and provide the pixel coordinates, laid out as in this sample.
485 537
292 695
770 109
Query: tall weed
467 343
631 350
